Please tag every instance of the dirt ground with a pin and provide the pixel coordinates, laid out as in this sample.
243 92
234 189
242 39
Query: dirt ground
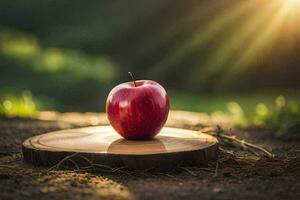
239 176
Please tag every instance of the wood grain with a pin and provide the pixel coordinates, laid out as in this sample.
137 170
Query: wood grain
102 145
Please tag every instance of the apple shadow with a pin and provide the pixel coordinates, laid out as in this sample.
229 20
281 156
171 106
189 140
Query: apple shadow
138 154
123 146
162 152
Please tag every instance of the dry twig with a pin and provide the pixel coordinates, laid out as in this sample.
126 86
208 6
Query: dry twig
216 170
90 165
233 141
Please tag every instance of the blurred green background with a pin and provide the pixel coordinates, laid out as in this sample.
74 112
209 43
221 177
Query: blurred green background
67 55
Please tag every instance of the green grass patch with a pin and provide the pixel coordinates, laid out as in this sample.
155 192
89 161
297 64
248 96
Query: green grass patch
18 106
223 101
277 110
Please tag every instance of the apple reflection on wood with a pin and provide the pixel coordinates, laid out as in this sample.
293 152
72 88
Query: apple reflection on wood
138 110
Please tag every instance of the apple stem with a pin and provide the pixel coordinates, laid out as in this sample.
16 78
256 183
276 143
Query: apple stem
133 79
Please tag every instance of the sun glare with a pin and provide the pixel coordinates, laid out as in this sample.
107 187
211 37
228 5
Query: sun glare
293 2
268 23
249 30
293 5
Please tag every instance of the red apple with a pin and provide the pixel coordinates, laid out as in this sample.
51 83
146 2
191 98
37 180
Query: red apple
138 110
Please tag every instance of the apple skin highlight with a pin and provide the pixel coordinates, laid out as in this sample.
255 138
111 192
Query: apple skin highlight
138 110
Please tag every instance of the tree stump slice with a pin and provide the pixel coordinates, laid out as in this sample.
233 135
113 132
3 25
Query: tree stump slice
102 145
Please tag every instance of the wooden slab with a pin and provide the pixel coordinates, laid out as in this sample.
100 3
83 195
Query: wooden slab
102 145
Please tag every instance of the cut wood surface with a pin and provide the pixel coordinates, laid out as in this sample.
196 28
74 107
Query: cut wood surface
102 145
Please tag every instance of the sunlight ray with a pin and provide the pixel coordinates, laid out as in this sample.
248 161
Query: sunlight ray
233 43
205 34
292 23
268 35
